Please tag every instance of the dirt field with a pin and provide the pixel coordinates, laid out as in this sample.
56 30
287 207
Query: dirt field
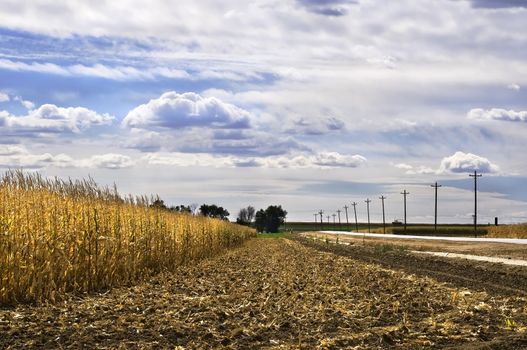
279 294
508 251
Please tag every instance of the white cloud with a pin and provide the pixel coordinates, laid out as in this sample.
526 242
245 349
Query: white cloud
316 126
4 97
461 162
49 118
320 160
403 166
411 170
178 111
334 159
186 159
497 114
421 170
111 161
119 73
514 87
16 156
25 103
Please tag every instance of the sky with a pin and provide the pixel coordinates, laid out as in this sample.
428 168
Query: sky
310 104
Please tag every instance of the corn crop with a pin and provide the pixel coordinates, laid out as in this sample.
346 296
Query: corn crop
62 237
508 231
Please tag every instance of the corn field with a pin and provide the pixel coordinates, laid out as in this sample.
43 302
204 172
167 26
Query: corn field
508 231
59 237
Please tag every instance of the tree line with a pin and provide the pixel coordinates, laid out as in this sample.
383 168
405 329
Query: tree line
268 220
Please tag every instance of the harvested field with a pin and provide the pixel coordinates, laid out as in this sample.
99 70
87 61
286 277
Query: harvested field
275 294
501 250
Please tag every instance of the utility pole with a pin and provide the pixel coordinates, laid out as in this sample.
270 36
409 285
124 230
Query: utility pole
316 216
328 219
475 176
347 221
334 215
338 212
368 201
355 211
435 186
405 193
321 220
382 198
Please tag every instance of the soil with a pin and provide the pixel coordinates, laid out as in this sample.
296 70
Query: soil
501 250
281 294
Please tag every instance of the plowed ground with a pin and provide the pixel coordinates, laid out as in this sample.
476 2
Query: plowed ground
275 294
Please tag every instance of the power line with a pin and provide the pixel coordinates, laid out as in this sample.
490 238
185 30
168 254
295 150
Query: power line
382 198
347 221
436 186
475 176
355 211
405 193
368 201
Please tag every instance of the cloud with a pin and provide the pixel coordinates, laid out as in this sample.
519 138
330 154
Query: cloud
321 160
496 4
4 97
497 114
318 126
403 166
318 160
461 162
131 73
25 103
411 170
514 87
15 156
186 159
332 8
111 161
49 118
119 73
334 159
178 111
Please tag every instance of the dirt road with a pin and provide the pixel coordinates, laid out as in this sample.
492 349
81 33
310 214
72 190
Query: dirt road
275 294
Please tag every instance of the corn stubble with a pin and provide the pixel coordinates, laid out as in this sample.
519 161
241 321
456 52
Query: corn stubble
59 237
508 231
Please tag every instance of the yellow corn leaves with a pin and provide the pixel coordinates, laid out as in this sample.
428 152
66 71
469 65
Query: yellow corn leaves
60 237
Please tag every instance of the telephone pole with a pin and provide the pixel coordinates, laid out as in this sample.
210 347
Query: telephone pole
328 219
316 216
338 212
334 215
436 186
355 211
382 198
368 201
347 221
475 176
405 193
321 219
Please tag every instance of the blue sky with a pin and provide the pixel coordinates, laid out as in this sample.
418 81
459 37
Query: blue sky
306 103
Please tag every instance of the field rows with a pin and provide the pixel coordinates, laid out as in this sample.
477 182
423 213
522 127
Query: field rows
274 294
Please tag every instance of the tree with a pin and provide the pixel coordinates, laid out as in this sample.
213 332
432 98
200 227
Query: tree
245 216
260 220
214 211
270 219
181 209
158 203
250 213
